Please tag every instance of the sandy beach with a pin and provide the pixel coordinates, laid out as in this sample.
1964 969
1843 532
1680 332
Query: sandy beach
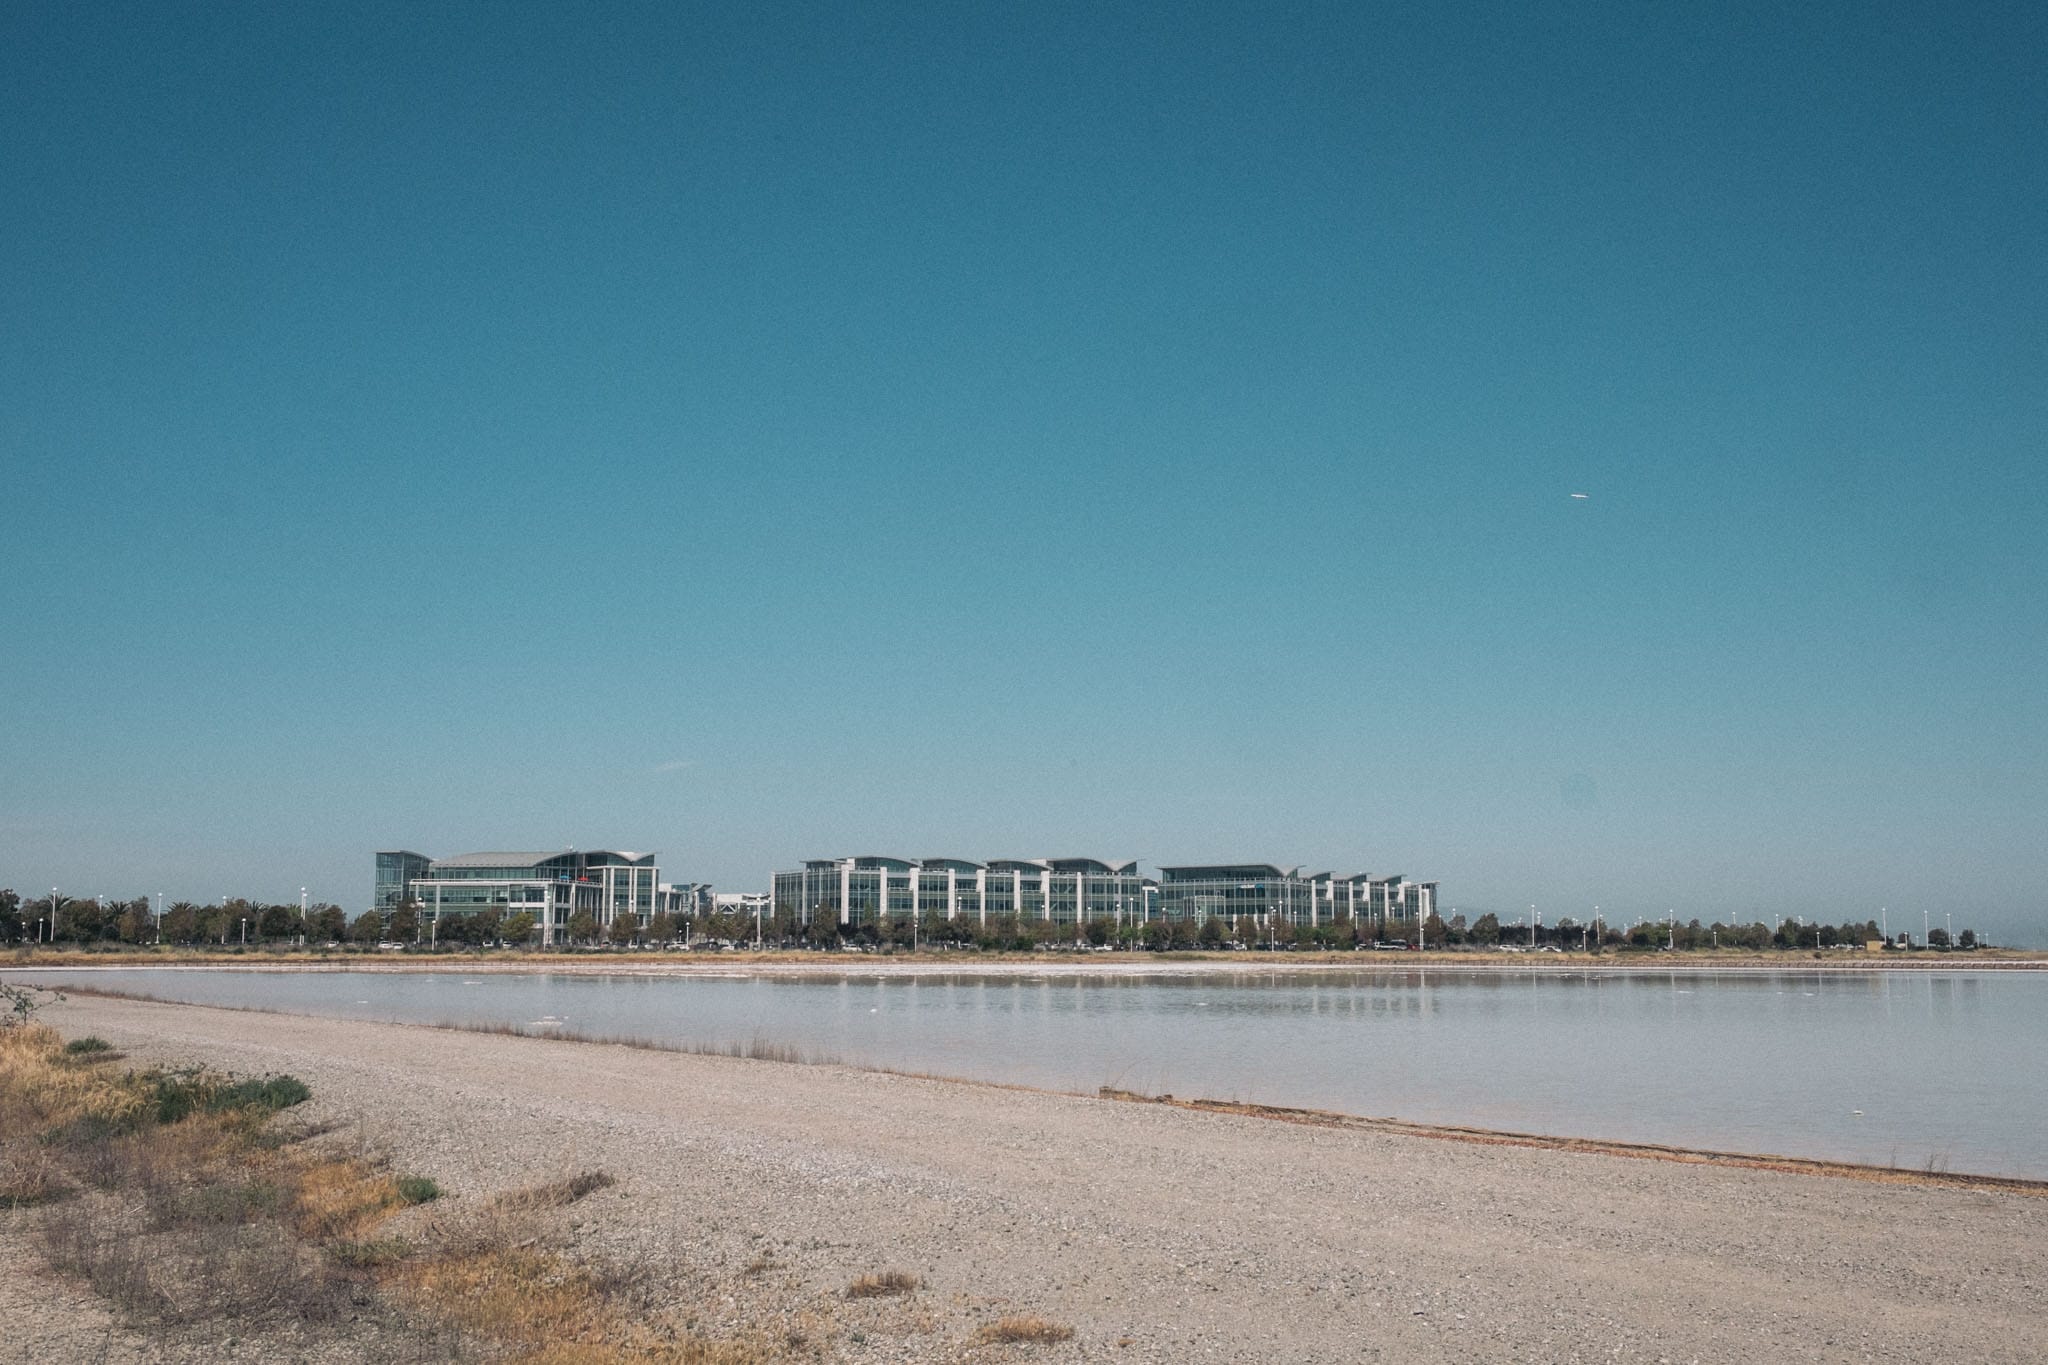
1156 1233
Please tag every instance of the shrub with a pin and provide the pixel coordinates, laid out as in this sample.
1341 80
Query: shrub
554 1194
369 1255
83 1047
417 1189
1024 1330
176 1095
885 1285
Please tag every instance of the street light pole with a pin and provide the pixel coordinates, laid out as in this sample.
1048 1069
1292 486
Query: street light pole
1532 926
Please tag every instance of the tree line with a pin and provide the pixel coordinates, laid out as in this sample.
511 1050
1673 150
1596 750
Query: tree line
84 921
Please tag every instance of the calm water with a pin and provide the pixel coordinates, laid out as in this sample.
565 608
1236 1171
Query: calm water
1881 1067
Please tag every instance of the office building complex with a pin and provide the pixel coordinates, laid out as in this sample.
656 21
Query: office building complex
866 890
551 886
1286 896
852 892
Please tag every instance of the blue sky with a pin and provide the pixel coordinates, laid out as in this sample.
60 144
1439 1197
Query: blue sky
760 432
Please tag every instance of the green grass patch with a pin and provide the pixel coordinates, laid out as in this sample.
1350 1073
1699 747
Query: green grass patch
87 1046
417 1189
370 1255
177 1095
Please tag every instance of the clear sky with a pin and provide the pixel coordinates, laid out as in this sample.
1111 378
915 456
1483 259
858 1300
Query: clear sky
760 432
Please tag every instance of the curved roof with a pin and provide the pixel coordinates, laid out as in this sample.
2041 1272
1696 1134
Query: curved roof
1129 868
504 859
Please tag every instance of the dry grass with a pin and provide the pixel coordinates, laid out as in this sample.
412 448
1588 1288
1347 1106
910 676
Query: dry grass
41 1087
1030 1331
183 1206
887 1284
542 1309
554 1194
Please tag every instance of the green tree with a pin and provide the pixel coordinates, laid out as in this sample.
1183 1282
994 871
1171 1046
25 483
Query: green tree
136 925
404 925
582 927
661 927
1486 929
518 927
181 923
12 923
488 924
81 921
276 922
368 928
326 923
1967 938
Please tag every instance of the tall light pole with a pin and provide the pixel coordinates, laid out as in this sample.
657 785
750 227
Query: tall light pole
159 919
1950 920
1532 926
1671 924
1924 930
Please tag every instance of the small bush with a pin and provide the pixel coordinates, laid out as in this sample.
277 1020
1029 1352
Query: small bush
417 1189
555 1194
369 1255
269 1094
86 1046
177 1095
885 1285
1025 1331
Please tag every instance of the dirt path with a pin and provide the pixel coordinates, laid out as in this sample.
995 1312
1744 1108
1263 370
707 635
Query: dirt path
1158 1234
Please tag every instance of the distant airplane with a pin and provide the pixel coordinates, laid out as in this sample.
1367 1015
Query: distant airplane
1582 495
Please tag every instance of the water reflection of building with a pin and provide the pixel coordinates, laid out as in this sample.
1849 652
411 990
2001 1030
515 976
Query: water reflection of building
868 890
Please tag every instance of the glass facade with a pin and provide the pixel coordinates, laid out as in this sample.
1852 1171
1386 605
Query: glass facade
395 870
861 891
551 886
1268 894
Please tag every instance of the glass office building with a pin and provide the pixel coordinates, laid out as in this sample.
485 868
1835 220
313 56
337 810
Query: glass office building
1267 894
551 886
867 890
395 871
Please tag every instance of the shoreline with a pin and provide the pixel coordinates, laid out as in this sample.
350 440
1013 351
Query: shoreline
1159 1231
723 964
1474 1134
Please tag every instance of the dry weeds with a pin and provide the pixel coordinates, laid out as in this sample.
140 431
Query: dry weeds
1024 1330
887 1284
554 1194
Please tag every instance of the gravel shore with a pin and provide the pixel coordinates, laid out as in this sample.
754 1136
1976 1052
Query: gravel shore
1157 1234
